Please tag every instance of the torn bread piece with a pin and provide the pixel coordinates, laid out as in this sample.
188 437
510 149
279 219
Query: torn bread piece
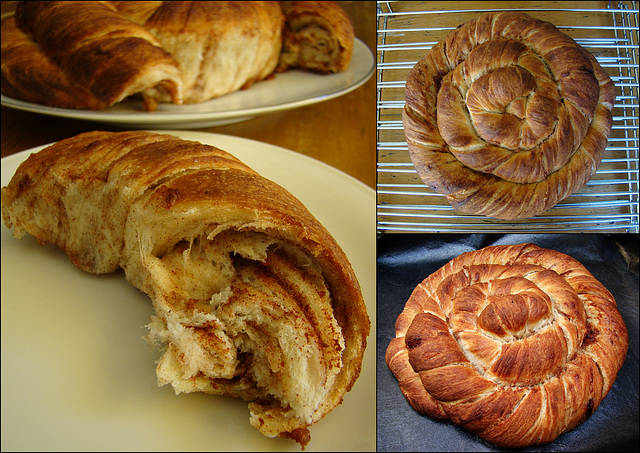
253 297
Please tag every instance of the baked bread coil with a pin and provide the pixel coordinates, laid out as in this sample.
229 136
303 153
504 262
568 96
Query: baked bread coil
507 116
517 344
83 55
318 36
92 55
253 297
220 46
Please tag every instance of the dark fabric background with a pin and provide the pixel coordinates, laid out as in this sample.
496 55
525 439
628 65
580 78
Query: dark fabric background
404 260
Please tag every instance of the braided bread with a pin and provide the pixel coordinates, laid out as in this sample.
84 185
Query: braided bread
83 55
253 297
516 343
507 116
91 55
220 46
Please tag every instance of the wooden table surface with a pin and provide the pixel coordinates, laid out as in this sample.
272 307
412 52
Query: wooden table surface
339 132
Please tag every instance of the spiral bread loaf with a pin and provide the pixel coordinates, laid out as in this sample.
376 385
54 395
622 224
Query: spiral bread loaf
507 116
91 55
253 297
515 343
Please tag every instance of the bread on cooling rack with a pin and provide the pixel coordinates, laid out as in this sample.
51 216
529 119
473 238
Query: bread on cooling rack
507 116
253 297
91 55
516 343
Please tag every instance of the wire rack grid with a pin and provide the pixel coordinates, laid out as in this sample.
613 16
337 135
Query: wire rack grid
608 203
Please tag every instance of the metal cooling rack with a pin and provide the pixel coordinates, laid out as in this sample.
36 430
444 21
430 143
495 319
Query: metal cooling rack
608 203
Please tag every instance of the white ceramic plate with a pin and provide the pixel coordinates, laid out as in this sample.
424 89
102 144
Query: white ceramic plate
77 375
287 90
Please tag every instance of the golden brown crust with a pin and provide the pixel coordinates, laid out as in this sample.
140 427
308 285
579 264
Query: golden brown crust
318 36
221 46
197 229
507 116
517 344
30 75
103 54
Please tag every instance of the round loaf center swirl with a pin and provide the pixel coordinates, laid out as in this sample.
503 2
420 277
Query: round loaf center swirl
517 325
498 110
